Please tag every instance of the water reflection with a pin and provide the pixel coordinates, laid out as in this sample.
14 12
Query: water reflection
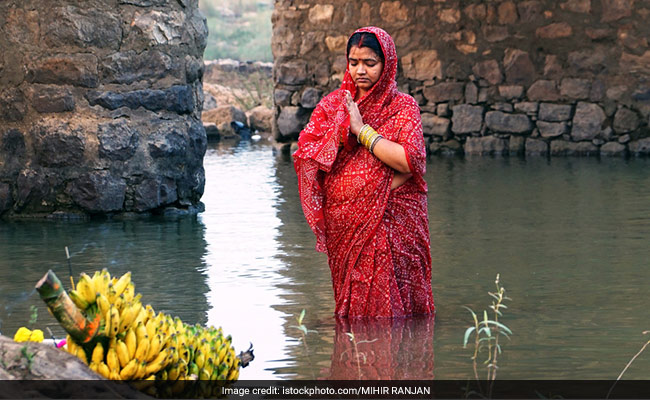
383 349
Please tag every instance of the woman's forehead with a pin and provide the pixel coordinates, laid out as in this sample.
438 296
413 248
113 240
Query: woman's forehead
361 53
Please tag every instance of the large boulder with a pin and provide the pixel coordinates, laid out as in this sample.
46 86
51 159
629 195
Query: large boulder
223 116
260 118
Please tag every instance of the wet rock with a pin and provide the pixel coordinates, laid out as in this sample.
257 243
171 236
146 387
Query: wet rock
466 119
32 191
543 90
613 149
52 99
625 120
223 116
117 140
13 105
310 97
587 121
6 198
260 118
435 125
516 144
498 121
536 147
575 88
65 69
98 191
640 147
519 69
488 70
291 121
422 65
566 148
552 129
151 193
486 145
554 112
445 91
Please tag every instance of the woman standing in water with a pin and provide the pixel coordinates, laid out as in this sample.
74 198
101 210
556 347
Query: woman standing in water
360 165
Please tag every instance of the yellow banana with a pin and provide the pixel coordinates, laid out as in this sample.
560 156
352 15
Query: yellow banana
112 360
127 316
174 372
81 354
204 375
131 342
115 321
222 353
98 353
107 322
156 364
88 283
122 353
199 358
234 374
84 290
129 292
111 295
143 349
102 303
129 371
151 328
140 332
115 376
141 370
78 300
103 369
154 348
121 284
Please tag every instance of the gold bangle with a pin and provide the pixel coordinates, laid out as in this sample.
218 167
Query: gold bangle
362 131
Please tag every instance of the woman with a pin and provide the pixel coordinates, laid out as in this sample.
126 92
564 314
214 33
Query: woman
360 165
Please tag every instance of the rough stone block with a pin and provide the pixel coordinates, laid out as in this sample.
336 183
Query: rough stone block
501 106
640 147
613 149
543 90
486 145
466 119
52 99
498 121
13 106
292 73
488 70
554 112
167 143
507 12
336 44
65 69
291 121
281 97
179 99
117 140
511 92
422 65
591 60
528 107
81 27
566 148
6 198
98 191
555 30
577 6
587 121
495 33
310 97
536 147
260 118
321 14
519 69
516 144
552 129
471 93
625 120
444 92
57 145
130 66
574 88
613 10
393 12
435 125
530 11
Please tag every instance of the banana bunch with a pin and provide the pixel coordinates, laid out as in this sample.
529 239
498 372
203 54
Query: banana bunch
136 343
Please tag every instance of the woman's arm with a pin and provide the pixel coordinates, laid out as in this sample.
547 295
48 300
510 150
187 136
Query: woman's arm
391 153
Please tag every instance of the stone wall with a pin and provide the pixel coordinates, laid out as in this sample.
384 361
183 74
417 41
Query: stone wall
100 106
568 77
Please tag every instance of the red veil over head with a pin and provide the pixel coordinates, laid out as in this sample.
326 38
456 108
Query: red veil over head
376 239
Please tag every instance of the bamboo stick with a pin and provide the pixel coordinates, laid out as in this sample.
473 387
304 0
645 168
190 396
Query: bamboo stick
65 311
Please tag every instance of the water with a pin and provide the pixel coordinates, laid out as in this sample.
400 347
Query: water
569 238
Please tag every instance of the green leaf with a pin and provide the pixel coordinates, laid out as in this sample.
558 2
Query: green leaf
502 306
494 295
470 310
501 326
466 337
499 348
301 317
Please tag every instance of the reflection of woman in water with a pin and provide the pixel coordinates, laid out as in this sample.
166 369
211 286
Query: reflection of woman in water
360 165
383 349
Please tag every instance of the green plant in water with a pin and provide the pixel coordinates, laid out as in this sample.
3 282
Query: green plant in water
488 331
628 364
303 332
357 354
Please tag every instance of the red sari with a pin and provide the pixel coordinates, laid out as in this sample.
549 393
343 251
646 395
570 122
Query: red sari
376 239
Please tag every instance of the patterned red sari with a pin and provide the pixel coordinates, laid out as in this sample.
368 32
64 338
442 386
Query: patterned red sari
376 239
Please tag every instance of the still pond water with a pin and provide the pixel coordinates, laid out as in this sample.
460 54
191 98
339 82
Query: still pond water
569 237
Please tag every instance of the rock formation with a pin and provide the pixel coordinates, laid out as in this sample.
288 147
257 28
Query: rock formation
100 107
540 77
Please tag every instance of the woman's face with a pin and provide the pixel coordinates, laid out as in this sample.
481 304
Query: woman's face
365 67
